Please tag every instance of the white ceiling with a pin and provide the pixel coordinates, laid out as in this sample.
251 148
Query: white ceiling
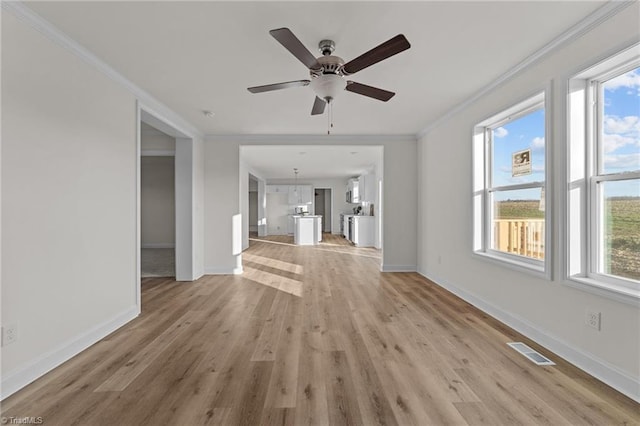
196 56
313 162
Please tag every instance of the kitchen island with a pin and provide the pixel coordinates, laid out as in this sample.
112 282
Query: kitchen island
307 229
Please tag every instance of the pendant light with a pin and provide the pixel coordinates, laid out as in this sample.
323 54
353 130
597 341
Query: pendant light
295 188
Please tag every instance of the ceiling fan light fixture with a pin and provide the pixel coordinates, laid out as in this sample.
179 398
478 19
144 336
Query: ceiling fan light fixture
327 86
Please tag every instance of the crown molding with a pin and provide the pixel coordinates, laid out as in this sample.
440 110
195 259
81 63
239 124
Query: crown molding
44 27
305 139
594 19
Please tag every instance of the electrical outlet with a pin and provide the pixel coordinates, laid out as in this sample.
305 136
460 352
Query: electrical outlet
593 319
439 259
9 334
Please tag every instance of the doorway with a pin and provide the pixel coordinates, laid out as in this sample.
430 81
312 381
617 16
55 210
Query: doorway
323 207
253 206
179 146
157 203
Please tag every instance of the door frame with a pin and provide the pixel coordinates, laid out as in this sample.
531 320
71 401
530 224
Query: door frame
184 195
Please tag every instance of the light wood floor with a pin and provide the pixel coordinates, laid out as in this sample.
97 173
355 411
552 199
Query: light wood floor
314 335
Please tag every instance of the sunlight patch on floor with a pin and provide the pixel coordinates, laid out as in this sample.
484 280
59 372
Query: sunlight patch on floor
272 242
272 280
273 263
319 247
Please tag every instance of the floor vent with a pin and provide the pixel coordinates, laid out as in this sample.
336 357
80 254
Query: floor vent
534 356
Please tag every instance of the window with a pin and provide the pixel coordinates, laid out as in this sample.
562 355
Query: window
510 159
604 175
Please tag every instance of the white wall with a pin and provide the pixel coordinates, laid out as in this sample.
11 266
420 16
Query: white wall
157 202
222 196
68 203
551 312
221 204
277 213
153 140
198 207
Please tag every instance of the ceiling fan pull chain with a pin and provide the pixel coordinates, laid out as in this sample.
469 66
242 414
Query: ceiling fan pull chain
329 117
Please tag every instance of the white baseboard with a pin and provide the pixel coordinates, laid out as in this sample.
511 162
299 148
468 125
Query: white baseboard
21 377
598 368
158 245
398 268
221 270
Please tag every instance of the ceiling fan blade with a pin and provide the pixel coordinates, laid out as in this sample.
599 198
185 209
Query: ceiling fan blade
295 46
387 49
278 86
318 106
370 91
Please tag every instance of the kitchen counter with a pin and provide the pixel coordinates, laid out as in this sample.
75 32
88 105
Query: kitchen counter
307 229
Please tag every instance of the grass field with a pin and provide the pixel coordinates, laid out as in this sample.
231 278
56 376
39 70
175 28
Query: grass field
622 230
622 242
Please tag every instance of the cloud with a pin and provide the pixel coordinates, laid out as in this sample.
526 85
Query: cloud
620 132
613 142
622 161
537 143
500 132
630 80
624 125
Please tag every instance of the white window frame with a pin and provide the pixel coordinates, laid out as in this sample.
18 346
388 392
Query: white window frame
483 189
584 213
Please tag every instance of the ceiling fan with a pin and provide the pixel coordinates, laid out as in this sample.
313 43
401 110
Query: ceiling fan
328 73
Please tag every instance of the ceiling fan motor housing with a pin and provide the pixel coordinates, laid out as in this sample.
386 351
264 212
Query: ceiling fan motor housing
329 81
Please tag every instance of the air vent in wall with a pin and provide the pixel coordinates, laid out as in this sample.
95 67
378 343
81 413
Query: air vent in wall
531 354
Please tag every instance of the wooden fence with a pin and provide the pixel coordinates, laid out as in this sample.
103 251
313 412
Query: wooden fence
524 237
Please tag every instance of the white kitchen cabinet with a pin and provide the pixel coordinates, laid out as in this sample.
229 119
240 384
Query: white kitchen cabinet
363 231
300 194
368 187
353 191
308 230
277 189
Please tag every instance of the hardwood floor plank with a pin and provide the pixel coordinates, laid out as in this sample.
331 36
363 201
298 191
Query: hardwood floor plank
311 401
279 417
136 365
270 335
314 336
341 402
283 385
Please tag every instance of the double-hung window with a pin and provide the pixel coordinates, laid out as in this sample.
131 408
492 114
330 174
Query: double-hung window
604 175
510 214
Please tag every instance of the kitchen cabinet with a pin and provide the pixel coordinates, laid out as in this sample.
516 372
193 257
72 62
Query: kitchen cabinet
308 230
300 194
277 189
362 189
353 191
368 188
363 231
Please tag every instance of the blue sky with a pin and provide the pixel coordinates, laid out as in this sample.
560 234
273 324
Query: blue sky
621 136
622 123
621 131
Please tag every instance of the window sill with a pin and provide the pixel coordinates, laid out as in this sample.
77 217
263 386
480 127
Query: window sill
512 262
604 289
